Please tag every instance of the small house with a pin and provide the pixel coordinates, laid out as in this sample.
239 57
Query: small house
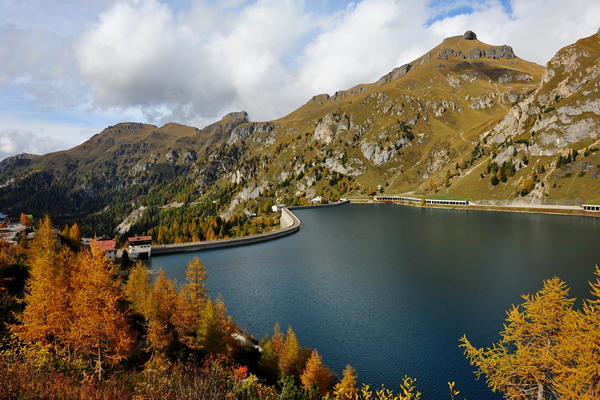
109 247
140 247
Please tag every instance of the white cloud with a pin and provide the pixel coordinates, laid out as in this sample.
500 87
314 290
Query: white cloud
150 60
536 30
19 134
364 43
15 142
193 65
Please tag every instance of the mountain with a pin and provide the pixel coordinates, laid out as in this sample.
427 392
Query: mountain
551 137
466 119
102 179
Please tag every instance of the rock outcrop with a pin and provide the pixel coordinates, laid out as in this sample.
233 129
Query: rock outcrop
251 130
330 126
470 35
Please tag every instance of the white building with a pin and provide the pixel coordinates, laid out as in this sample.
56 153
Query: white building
277 207
591 207
140 246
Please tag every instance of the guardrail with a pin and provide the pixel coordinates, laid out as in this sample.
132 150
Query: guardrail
214 244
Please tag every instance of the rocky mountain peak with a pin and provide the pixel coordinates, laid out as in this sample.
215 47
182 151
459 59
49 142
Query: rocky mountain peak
237 115
470 35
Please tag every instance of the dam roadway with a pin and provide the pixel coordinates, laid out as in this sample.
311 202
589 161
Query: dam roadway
289 224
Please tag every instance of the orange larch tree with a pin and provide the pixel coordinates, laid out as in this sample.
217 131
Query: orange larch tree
524 363
578 368
100 326
47 315
291 360
316 374
25 220
159 310
137 288
75 236
190 304
346 388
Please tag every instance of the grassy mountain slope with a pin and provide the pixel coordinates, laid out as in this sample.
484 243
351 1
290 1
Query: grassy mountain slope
443 125
402 131
540 134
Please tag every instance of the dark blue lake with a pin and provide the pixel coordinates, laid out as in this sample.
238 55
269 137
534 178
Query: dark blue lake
390 289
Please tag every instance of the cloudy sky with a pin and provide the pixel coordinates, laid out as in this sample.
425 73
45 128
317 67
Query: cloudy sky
70 68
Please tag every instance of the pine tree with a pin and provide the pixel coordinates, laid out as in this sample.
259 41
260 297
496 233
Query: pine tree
162 299
190 303
210 234
315 373
75 236
194 289
211 337
66 232
290 361
159 339
100 326
578 368
159 308
523 364
137 288
346 388
269 360
25 220
47 314
278 340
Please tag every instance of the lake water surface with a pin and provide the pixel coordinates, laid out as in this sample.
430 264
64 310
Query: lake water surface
390 289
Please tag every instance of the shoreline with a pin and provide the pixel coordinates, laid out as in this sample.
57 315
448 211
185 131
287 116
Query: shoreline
289 221
292 222
538 209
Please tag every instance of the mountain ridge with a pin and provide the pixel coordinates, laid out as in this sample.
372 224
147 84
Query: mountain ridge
440 125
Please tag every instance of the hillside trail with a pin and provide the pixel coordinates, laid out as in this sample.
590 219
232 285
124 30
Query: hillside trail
470 170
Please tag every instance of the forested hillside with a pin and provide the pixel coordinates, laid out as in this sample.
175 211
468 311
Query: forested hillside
465 120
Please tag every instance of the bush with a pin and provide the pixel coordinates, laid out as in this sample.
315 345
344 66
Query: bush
494 180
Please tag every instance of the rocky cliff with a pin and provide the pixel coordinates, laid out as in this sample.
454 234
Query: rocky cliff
466 119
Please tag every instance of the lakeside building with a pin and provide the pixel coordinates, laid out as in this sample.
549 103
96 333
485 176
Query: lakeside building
12 232
109 247
397 198
277 207
591 207
140 247
448 202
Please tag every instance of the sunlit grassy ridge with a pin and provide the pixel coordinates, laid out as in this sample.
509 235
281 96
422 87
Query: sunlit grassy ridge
442 125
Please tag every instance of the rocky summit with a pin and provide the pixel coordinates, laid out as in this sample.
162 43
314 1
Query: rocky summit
466 120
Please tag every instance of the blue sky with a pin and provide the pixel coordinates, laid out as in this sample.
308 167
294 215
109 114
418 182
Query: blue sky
73 67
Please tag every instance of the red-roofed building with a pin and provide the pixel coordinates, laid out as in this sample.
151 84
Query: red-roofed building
139 246
107 246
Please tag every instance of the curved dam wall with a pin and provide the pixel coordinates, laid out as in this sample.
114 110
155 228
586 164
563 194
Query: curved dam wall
288 221
337 203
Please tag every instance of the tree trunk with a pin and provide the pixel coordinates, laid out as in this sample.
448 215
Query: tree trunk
540 395
99 359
